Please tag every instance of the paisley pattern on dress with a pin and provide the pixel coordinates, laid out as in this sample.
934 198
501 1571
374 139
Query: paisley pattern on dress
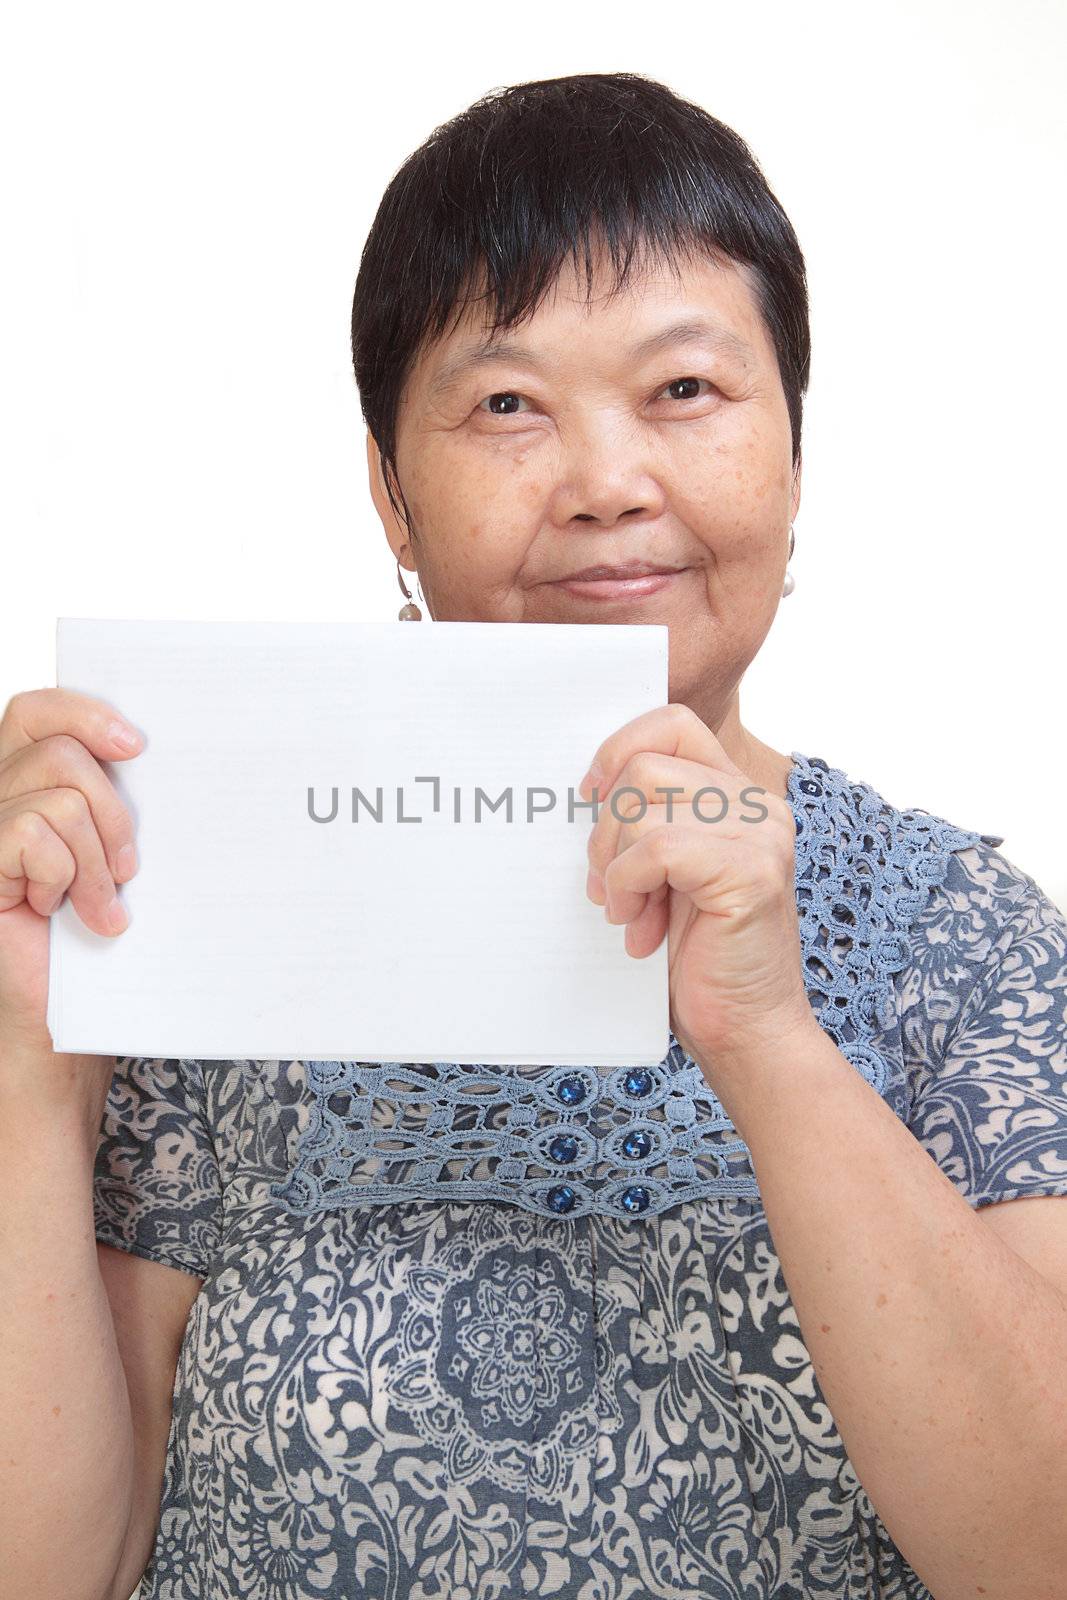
467 1400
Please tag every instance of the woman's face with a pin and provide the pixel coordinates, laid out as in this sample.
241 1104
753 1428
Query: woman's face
596 434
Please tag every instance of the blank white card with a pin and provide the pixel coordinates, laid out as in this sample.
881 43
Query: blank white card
357 842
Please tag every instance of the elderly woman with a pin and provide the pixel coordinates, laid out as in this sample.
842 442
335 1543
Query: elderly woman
770 1319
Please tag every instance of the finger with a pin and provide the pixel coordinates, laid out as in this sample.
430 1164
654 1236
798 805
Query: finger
680 788
36 713
60 761
645 934
673 730
718 874
620 904
48 846
35 864
691 860
624 902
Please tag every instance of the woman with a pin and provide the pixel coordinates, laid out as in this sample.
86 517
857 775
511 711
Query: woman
751 1324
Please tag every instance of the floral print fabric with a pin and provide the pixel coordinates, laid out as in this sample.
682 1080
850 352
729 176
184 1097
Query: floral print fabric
455 1400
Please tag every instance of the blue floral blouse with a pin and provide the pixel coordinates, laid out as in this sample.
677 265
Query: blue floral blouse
412 1378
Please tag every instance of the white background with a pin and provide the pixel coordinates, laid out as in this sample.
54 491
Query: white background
186 192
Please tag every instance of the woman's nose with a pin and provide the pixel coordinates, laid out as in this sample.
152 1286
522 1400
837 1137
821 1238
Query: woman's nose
606 478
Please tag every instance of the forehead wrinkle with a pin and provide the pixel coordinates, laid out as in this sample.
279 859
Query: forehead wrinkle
690 330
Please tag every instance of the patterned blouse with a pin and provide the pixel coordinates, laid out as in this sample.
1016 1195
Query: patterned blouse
471 1334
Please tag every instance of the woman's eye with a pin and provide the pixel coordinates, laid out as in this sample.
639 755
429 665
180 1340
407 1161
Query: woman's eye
689 385
506 402
507 410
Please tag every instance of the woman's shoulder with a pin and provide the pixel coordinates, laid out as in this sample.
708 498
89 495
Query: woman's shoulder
931 901
861 855
834 796
963 868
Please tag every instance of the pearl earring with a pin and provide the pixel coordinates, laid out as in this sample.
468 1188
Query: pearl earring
410 612
790 583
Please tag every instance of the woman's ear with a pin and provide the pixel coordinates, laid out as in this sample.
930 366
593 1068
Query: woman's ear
395 532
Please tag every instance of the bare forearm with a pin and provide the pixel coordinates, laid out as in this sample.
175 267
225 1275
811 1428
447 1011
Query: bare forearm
941 1354
66 1437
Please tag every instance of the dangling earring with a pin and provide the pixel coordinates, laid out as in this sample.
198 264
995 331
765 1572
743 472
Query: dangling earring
410 612
790 583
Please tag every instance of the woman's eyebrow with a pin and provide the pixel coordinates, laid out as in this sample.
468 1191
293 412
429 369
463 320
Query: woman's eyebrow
691 330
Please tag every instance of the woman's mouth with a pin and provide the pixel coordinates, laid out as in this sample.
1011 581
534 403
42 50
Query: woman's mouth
628 582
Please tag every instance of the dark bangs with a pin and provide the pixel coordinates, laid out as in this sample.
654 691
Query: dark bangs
495 201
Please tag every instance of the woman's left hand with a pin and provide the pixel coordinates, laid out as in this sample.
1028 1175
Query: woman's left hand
722 890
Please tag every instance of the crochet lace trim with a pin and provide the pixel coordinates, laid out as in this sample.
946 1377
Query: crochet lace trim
634 1141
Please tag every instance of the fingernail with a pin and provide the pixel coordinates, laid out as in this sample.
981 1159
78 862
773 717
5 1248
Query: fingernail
594 887
592 779
116 915
121 733
126 861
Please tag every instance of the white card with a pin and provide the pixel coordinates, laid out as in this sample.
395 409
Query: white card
257 931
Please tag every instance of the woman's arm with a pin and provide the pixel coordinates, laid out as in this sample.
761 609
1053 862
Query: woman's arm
941 1353
67 1457
150 1306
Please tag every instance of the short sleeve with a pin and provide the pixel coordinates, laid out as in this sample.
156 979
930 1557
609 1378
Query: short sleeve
157 1189
990 1098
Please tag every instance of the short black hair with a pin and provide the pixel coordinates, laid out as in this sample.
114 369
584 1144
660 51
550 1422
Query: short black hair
495 200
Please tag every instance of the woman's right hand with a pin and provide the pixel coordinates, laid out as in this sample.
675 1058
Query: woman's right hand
62 828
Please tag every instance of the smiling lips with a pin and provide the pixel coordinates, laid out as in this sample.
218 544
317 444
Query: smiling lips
629 580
